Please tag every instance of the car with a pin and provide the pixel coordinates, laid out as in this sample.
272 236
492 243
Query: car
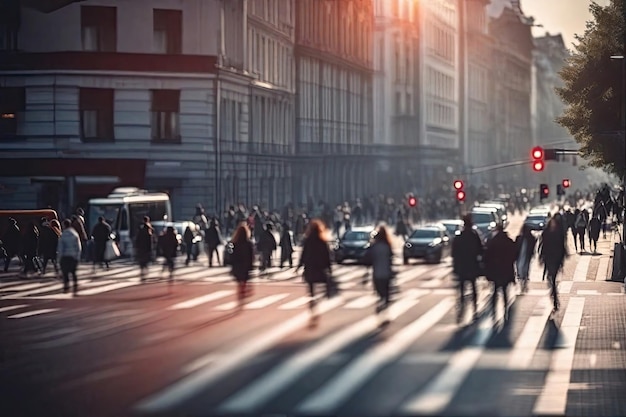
539 210
430 242
453 227
353 244
537 222
501 210
485 222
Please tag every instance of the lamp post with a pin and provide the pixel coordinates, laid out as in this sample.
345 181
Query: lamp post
622 255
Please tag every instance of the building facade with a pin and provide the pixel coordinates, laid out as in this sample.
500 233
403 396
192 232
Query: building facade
476 117
196 101
333 100
396 94
511 65
438 74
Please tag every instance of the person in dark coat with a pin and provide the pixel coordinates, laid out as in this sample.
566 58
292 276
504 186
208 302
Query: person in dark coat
286 246
315 258
552 255
595 225
188 240
500 254
101 233
48 243
266 245
212 239
30 244
11 240
169 249
401 228
467 248
525 246
143 246
242 260
78 224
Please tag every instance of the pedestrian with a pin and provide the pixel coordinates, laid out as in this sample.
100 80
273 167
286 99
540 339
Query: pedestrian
169 249
143 246
212 239
525 244
286 246
266 245
69 250
101 234
315 259
401 227
11 240
380 257
467 249
30 245
242 260
552 255
581 227
78 223
500 254
594 232
49 235
188 237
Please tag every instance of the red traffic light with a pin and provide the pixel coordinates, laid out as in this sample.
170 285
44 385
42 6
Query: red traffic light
412 201
458 185
538 166
460 195
537 152
566 183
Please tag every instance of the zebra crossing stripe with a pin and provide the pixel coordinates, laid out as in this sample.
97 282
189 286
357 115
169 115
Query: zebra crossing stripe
14 286
266 301
601 274
362 302
194 302
263 389
13 307
439 392
192 385
33 313
329 397
580 273
107 288
526 345
41 289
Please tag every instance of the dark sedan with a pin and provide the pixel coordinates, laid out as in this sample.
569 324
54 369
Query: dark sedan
352 245
430 243
537 222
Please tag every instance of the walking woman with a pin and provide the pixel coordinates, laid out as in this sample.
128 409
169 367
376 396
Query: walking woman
286 246
316 261
525 244
380 257
242 260
169 249
553 255
49 235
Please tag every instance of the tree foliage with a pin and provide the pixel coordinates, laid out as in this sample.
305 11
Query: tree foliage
594 89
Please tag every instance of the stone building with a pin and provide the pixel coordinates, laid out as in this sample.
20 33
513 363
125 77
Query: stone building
333 100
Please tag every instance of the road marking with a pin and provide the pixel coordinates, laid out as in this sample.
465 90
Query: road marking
41 289
9 308
294 304
22 287
279 378
587 292
437 280
266 301
411 274
602 269
33 313
540 292
327 398
526 345
438 393
593 359
192 385
362 302
231 305
194 302
553 398
580 273
565 287
106 288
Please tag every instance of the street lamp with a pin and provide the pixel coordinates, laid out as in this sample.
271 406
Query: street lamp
623 128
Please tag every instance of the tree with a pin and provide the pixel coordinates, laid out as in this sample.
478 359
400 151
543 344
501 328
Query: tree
594 87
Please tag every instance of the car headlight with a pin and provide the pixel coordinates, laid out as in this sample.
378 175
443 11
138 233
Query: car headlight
408 245
492 225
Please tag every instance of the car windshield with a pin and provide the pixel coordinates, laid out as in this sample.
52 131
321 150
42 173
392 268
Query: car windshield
425 234
451 227
481 218
536 218
356 236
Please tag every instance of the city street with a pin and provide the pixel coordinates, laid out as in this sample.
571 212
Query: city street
123 348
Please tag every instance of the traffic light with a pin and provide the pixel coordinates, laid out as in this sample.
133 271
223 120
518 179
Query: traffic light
538 158
544 191
460 193
412 200
566 183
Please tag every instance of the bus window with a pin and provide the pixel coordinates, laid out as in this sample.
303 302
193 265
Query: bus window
156 210
108 211
124 220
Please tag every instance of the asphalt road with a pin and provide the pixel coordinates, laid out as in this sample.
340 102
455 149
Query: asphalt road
122 348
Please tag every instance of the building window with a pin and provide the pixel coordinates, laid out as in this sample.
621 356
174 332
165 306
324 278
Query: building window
165 115
99 28
96 114
12 107
167 31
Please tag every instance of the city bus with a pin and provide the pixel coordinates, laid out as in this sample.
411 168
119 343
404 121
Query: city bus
124 209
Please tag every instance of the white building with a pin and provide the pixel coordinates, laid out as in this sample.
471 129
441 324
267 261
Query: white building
155 94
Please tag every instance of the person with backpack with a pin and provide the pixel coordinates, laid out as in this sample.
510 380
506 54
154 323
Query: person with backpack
581 226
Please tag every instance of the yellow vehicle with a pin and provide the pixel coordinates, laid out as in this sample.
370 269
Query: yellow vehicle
24 217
